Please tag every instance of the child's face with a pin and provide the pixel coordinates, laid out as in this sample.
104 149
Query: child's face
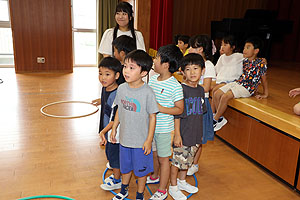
158 66
118 55
122 19
192 74
226 48
181 45
249 51
108 77
132 72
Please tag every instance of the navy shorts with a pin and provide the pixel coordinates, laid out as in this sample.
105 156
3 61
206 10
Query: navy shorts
113 154
134 159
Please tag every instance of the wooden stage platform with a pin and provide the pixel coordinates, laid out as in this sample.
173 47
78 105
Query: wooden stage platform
267 130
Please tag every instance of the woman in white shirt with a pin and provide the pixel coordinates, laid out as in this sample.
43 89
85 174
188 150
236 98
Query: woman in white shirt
125 26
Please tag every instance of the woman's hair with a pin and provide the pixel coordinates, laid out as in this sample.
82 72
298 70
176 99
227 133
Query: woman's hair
229 39
203 41
127 8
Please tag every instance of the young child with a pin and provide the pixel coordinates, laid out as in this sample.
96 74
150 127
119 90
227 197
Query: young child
294 93
202 45
254 72
136 114
188 126
183 44
168 93
109 72
122 46
229 66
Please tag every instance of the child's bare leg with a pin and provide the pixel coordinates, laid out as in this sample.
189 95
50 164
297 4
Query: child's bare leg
216 97
213 106
126 178
198 154
141 184
173 176
297 109
223 103
117 173
164 172
155 165
182 174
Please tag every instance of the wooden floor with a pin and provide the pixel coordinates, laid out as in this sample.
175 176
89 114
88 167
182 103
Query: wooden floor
40 155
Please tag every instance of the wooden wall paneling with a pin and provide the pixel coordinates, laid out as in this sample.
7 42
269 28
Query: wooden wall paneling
237 130
194 16
42 28
274 150
143 19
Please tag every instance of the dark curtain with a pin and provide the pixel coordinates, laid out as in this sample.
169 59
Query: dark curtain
161 26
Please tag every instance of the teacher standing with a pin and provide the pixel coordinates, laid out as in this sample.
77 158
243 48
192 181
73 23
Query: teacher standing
125 26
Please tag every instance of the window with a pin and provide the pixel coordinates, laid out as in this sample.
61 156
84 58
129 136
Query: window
6 44
84 32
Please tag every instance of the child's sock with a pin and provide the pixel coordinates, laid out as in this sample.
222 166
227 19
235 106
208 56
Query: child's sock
139 195
124 189
162 191
181 181
116 180
196 165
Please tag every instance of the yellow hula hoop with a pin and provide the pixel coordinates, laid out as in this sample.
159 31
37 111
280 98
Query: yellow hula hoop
67 116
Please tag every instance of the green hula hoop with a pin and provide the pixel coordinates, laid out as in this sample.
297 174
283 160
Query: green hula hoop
46 196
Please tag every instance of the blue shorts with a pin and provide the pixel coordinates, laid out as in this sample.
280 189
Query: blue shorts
134 159
208 129
113 154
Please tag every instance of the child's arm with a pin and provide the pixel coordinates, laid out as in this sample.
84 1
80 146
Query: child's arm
148 143
264 83
114 128
176 110
294 92
104 131
177 137
207 84
97 102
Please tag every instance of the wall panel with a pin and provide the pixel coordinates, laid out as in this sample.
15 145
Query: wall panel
42 28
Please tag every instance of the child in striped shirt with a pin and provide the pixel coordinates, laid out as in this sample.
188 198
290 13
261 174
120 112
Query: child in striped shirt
169 95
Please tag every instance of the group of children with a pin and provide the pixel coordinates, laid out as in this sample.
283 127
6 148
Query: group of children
137 118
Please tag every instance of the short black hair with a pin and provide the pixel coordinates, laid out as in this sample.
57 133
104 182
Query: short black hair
170 54
124 43
192 59
184 38
203 41
141 58
229 39
256 42
111 63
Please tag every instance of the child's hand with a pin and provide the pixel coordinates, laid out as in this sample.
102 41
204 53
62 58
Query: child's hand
294 92
178 141
264 61
147 147
261 96
103 141
96 102
159 107
113 136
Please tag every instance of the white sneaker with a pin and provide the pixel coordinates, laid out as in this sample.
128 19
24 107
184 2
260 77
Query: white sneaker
159 196
109 179
183 185
112 185
108 166
120 196
192 170
221 122
176 193
150 181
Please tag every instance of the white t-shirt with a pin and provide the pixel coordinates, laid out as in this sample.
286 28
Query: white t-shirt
229 68
105 46
209 73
